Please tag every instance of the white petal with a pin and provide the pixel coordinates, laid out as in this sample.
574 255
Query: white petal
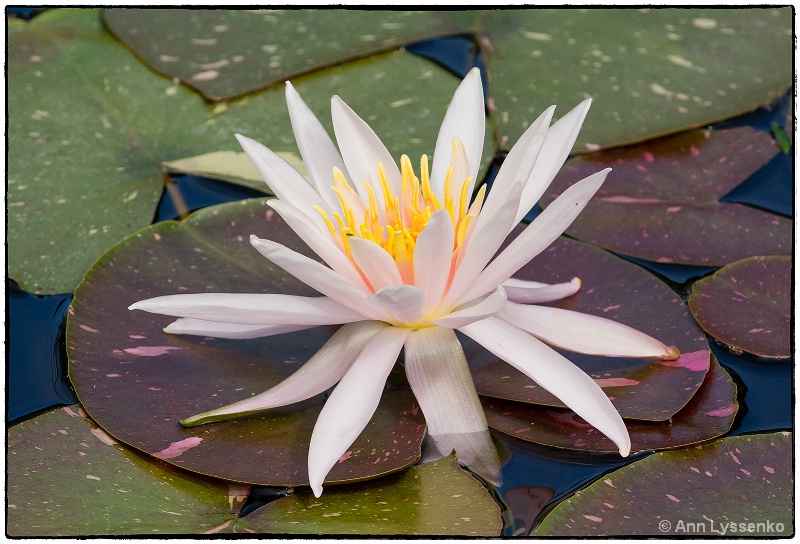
376 264
318 151
215 329
405 302
439 376
584 333
560 139
474 311
476 451
532 292
459 162
352 403
517 165
432 256
537 236
282 179
555 373
322 371
251 309
481 247
466 120
362 150
320 242
318 276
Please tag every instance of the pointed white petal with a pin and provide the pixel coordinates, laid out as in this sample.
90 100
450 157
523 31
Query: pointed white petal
555 373
352 403
322 371
474 311
432 256
439 376
216 329
466 120
532 292
405 302
318 151
537 236
251 309
362 150
481 247
584 333
282 179
459 163
320 242
560 139
318 276
376 264
476 451
517 166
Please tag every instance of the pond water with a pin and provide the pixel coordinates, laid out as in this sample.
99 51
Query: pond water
535 477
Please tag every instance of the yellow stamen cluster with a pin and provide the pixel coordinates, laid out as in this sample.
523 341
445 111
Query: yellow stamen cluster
396 225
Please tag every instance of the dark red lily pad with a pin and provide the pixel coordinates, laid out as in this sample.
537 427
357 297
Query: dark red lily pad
137 382
616 289
708 415
661 201
748 305
227 53
740 486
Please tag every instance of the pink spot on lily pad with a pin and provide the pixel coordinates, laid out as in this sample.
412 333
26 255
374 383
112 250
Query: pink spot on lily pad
615 382
136 336
88 328
593 518
176 449
696 361
609 308
150 351
347 455
672 498
723 412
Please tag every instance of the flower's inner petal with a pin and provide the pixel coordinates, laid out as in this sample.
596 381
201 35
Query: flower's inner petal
405 302
376 264
476 310
352 403
532 292
323 370
585 333
432 259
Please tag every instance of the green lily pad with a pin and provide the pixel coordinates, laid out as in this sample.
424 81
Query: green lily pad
227 53
137 382
651 72
739 486
748 305
73 193
708 415
433 499
661 201
66 477
615 289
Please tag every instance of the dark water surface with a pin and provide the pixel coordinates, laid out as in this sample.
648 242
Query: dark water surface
535 477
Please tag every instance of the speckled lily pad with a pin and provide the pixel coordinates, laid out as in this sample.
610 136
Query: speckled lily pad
661 200
748 305
66 477
650 71
615 289
432 499
740 486
227 53
708 415
137 382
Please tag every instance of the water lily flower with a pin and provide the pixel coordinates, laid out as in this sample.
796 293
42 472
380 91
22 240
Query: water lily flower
410 260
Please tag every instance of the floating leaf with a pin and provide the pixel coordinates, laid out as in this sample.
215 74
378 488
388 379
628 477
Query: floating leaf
66 477
227 53
739 486
661 201
650 72
137 382
708 415
748 305
432 499
621 291
74 193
